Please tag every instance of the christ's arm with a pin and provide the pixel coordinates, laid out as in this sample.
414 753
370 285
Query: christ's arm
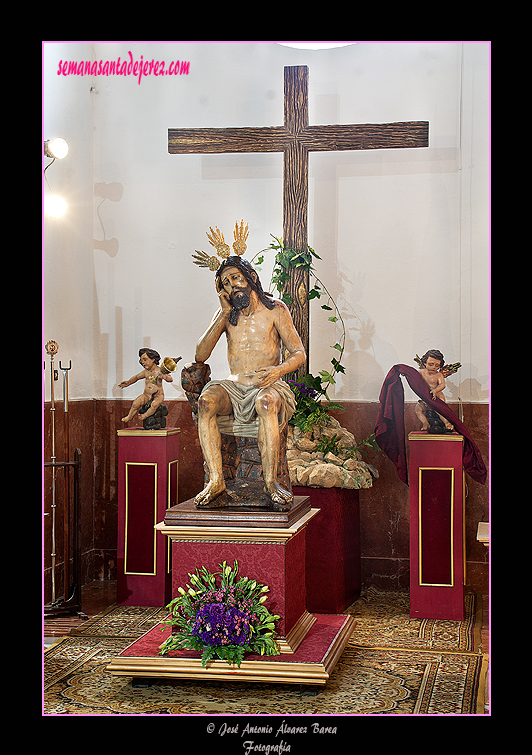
210 338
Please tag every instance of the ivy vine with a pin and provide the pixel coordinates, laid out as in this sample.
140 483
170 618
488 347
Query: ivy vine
310 389
287 259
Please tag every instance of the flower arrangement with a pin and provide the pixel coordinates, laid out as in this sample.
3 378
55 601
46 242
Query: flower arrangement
222 620
309 409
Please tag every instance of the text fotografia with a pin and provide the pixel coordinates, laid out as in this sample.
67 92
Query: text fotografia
127 67
250 746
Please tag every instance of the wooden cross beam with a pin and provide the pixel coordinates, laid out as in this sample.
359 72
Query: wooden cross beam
296 139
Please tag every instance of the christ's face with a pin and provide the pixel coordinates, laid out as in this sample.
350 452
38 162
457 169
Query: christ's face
235 284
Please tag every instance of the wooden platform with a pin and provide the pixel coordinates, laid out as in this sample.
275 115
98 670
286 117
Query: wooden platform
269 546
311 664
186 514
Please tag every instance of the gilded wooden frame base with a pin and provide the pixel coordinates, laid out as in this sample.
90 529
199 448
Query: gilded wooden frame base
297 634
273 669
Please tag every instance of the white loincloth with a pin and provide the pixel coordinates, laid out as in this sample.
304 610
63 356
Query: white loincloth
244 421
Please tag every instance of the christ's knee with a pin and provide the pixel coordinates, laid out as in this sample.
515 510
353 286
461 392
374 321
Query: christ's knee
213 402
207 405
267 405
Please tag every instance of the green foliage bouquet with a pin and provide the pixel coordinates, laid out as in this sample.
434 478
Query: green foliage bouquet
309 409
221 620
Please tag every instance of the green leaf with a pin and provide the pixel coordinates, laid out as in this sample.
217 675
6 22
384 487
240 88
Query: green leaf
333 406
327 377
314 253
337 366
337 346
311 382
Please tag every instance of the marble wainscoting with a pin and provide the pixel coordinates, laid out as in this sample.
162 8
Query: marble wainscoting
384 509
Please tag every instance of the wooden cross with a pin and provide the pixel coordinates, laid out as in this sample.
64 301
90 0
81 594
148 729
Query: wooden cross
296 139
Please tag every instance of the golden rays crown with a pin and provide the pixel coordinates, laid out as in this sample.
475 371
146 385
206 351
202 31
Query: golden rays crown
223 250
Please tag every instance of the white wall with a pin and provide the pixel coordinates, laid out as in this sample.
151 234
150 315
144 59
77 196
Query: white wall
403 234
68 270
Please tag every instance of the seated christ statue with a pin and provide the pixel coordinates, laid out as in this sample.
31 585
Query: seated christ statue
253 401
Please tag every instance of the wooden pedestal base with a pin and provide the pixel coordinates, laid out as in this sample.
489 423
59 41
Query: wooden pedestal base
311 664
187 514
309 645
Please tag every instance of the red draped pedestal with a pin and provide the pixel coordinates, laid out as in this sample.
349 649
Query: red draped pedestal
437 551
272 556
333 549
147 486
309 646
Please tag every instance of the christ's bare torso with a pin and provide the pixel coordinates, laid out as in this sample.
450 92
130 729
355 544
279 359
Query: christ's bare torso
252 344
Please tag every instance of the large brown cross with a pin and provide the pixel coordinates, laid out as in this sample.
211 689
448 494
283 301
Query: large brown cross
296 139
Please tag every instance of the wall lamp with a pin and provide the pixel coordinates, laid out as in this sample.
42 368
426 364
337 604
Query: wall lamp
57 149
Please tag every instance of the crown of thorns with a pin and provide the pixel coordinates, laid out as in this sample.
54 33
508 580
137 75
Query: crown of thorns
223 250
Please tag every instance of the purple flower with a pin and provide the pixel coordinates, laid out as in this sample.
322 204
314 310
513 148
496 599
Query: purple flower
302 388
219 624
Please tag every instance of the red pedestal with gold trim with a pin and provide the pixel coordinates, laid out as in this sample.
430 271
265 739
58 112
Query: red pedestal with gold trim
272 556
437 550
309 646
147 485
333 569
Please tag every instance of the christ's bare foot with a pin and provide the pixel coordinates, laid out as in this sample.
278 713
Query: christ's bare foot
278 494
209 492
126 419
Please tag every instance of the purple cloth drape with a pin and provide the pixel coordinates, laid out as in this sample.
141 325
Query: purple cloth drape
390 425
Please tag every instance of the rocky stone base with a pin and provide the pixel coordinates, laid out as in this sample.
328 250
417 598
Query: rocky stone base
326 458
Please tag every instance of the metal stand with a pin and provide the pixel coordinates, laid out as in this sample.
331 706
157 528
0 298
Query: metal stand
71 604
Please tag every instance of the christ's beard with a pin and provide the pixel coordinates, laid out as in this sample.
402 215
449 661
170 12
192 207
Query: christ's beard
240 300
